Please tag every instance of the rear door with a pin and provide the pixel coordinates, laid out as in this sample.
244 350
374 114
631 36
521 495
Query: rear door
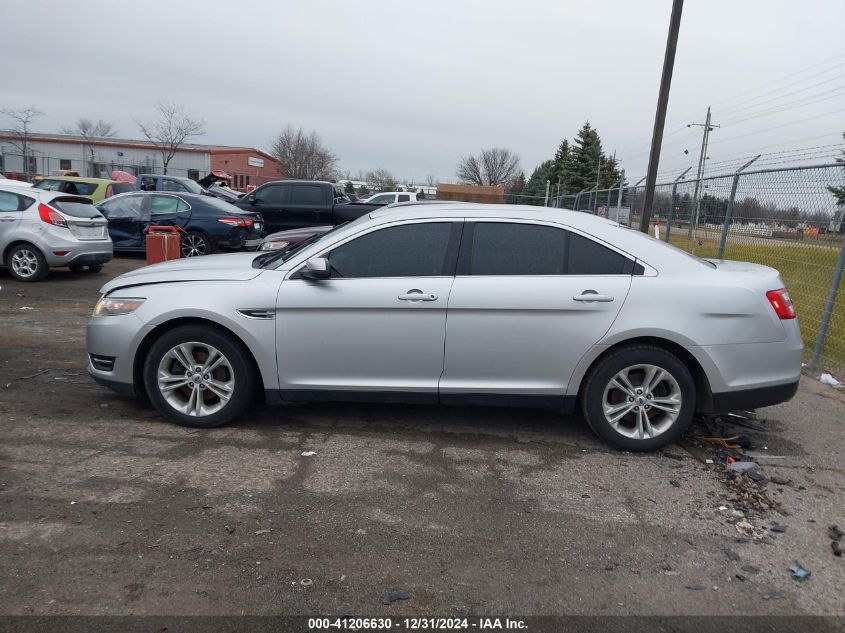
529 300
307 205
168 210
128 216
12 206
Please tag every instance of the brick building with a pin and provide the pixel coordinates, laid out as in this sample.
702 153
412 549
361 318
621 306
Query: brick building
248 166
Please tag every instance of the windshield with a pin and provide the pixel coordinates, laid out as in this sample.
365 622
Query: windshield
277 257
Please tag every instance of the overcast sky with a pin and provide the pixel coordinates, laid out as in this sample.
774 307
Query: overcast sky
412 87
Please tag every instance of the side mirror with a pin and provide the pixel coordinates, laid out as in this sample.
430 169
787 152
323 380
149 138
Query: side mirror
251 199
316 268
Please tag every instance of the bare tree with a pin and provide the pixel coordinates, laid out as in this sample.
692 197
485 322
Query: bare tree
303 156
173 127
88 129
430 180
22 132
381 180
496 166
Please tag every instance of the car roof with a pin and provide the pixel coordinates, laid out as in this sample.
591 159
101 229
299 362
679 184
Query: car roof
99 181
164 176
42 194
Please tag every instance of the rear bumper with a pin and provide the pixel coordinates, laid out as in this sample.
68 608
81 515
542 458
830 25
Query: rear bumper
745 399
84 259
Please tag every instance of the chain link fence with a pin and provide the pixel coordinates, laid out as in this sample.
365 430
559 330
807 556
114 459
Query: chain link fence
789 218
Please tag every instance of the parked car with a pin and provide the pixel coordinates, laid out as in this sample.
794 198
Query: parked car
389 197
156 182
220 190
41 229
210 224
95 189
294 204
457 304
289 239
10 182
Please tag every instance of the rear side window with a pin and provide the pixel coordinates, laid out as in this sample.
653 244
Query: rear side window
306 195
403 198
411 250
14 202
272 194
586 257
160 205
121 187
122 208
517 249
80 188
76 208
502 248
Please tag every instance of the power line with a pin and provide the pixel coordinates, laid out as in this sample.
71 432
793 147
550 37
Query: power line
777 127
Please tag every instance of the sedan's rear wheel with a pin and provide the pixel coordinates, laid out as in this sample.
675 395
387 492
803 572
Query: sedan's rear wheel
195 244
198 376
639 398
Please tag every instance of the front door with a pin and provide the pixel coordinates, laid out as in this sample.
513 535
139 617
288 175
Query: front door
521 311
11 211
127 215
378 324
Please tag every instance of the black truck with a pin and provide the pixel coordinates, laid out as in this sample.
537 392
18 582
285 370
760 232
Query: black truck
295 204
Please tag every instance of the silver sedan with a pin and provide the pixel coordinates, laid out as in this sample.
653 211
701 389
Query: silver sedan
456 304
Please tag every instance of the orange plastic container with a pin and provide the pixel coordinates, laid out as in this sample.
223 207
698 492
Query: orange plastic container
163 243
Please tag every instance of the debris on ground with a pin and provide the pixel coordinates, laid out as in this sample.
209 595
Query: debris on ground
396 596
799 572
675 483
308 453
835 535
778 527
697 587
825 379
259 532
732 554
306 582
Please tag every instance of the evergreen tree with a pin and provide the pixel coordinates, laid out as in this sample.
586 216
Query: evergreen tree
363 191
587 157
536 185
518 184
563 168
349 187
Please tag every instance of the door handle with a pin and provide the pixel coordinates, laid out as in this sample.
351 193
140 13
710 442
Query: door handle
417 295
590 297
8 219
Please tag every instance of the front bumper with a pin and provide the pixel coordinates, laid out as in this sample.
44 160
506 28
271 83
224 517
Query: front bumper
111 343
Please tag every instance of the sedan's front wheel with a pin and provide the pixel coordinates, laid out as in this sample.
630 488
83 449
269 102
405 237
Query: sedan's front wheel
198 376
639 398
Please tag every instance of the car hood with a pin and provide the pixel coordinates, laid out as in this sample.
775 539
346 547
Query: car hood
228 267
297 234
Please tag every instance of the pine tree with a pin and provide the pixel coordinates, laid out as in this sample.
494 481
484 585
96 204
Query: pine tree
536 185
349 187
562 168
518 185
587 157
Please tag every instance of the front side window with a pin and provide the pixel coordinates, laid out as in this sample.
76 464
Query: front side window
148 183
48 184
411 250
161 205
501 248
122 208
173 185
386 198
271 195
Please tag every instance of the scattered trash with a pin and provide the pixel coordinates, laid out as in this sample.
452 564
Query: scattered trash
258 532
31 308
835 533
733 555
696 587
708 461
675 483
799 572
779 528
35 375
739 577
825 379
308 453
396 596
306 582
836 547
73 503
741 467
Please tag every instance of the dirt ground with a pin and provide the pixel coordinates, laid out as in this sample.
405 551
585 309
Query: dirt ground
106 509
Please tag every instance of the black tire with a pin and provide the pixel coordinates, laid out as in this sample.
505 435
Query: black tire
196 244
34 260
86 268
599 378
239 365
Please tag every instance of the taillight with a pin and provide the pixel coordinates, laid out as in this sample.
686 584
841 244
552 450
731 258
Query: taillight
50 216
243 222
781 303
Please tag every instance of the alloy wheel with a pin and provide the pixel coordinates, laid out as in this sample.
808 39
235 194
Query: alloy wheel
193 245
642 401
24 263
196 379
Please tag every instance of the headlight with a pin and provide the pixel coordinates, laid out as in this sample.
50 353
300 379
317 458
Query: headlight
113 306
272 246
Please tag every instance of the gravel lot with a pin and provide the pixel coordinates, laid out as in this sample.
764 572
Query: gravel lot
107 509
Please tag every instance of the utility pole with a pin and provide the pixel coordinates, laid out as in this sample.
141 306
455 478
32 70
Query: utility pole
660 115
546 203
598 177
702 159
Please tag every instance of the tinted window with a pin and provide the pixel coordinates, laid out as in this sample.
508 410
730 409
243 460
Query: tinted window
403 198
413 250
272 194
306 194
517 249
383 199
121 187
12 202
122 208
148 183
587 257
76 208
160 205
80 188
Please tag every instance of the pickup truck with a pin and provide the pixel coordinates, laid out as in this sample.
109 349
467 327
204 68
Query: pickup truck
157 182
295 204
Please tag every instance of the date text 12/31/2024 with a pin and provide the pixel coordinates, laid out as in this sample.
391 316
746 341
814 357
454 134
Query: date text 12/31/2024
417 624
